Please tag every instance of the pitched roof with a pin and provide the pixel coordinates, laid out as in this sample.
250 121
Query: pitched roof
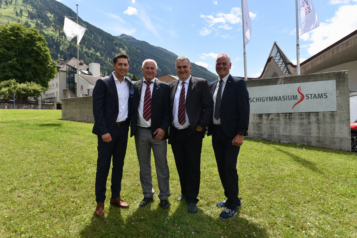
90 79
73 63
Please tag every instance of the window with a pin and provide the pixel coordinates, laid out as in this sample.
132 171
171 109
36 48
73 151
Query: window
56 85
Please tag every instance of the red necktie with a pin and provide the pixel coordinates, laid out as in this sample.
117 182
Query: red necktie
147 102
182 109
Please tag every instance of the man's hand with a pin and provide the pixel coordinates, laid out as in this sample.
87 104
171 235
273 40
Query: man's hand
199 128
107 138
160 133
238 140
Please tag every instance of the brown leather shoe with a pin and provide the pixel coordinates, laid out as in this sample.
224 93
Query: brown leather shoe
99 211
118 202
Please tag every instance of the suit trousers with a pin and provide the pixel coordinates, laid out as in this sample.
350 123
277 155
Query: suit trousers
117 149
226 158
187 153
144 142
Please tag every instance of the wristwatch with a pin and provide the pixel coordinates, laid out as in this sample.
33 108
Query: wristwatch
241 133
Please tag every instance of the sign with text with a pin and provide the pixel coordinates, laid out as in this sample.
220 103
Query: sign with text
297 97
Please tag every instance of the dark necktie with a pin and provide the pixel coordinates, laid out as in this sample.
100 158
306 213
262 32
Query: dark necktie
182 109
218 100
147 102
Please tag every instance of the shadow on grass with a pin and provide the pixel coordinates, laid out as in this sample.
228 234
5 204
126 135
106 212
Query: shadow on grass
153 221
311 148
307 164
50 125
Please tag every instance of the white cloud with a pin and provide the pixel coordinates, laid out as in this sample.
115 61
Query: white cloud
295 61
252 15
133 1
112 16
226 27
340 1
131 11
147 22
203 64
205 31
341 24
173 33
209 55
58 0
215 2
258 73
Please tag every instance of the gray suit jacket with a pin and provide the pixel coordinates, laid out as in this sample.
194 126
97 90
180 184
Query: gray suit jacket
199 103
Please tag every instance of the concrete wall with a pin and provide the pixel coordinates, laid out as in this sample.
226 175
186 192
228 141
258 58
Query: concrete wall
320 129
78 109
352 72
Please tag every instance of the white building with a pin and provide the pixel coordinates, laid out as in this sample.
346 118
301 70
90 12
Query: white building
66 77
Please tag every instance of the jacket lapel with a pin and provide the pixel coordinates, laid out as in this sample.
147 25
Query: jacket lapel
226 88
140 86
114 87
173 91
155 89
191 86
213 88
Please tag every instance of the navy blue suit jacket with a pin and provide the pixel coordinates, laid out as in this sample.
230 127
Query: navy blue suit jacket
160 107
106 104
234 112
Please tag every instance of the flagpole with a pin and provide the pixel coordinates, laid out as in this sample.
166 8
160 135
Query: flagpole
297 39
77 60
245 56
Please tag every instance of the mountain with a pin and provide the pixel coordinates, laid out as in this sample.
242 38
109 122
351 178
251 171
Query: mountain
96 46
167 58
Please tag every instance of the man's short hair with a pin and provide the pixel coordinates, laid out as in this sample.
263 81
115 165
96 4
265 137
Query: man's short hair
121 55
182 58
147 60
223 54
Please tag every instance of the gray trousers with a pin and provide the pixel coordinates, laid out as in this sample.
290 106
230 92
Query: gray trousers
144 142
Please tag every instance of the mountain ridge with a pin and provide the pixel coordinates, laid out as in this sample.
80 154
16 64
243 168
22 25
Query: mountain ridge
96 46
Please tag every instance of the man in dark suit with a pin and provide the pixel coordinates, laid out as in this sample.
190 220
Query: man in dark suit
228 127
192 108
150 123
113 106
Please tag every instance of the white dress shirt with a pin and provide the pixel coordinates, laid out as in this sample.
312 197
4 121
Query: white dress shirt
176 105
123 98
223 85
141 121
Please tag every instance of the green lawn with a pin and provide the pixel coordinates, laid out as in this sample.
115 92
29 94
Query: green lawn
47 188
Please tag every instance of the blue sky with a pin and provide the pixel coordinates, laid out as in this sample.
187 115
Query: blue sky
203 29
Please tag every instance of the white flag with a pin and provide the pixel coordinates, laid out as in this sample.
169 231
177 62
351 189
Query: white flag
72 29
308 16
247 22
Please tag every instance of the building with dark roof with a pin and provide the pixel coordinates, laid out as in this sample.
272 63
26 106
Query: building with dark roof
341 55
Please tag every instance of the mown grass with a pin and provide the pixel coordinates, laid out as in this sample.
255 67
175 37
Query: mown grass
47 188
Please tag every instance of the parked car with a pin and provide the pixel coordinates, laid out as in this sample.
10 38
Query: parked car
59 106
354 136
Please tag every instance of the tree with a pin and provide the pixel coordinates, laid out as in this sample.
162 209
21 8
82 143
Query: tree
22 90
24 55
134 78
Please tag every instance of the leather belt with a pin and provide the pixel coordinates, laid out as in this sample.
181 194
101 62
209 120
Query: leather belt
145 127
121 123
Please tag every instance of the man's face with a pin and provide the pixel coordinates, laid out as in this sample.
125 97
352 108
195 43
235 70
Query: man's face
183 69
149 70
121 67
223 66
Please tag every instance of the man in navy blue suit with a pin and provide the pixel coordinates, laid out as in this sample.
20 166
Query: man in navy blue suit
113 106
228 127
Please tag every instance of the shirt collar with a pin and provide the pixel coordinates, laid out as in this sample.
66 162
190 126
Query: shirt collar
152 81
115 78
187 81
224 78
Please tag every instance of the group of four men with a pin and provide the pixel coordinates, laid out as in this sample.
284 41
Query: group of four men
181 112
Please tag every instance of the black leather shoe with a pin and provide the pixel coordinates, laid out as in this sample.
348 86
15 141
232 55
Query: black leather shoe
192 208
164 204
181 198
145 201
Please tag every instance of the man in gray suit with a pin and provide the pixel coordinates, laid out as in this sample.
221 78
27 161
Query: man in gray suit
150 126
192 109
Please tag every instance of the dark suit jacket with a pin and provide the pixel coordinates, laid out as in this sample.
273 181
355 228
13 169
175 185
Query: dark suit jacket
105 104
234 112
199 102
160 107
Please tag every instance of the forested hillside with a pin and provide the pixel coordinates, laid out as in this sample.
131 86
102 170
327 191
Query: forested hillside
96 46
